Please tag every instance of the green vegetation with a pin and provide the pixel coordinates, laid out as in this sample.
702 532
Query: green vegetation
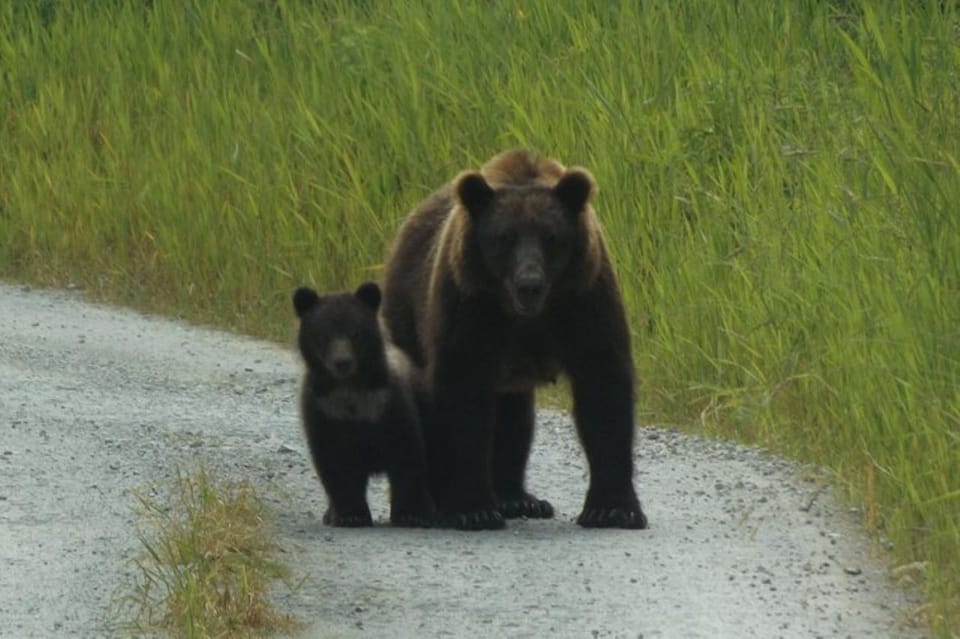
207 562
779 183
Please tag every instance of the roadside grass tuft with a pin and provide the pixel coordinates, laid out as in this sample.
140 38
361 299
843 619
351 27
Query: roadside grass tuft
208 562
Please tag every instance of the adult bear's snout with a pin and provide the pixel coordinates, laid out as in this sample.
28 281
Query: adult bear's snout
529 291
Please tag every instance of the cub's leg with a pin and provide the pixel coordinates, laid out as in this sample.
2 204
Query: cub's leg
410 502
347 497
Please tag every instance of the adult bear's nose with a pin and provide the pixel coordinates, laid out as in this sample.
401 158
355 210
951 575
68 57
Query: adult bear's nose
529 285
528 292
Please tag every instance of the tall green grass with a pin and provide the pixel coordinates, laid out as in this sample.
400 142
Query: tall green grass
779 183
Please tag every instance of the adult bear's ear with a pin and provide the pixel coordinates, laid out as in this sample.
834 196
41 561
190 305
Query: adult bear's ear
304 299
369 294
473 192
574 190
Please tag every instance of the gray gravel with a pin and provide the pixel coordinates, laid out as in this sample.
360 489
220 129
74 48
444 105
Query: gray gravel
95 401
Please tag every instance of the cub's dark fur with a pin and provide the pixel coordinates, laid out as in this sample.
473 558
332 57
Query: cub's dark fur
358 408
497 283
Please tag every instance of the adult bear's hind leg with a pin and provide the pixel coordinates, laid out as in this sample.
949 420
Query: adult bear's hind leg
513 435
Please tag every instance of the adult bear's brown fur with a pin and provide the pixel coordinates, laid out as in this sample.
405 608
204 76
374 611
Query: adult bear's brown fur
496 283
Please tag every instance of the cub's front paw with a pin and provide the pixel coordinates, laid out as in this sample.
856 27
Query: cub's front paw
525 505
353 520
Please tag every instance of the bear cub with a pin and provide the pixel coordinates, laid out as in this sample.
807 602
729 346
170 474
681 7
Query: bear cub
359 411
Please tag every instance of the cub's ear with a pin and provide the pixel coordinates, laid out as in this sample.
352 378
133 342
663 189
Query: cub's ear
473 192
304 299
574 190
369 294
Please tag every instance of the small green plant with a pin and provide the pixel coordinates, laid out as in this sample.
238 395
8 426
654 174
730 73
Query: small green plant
208 562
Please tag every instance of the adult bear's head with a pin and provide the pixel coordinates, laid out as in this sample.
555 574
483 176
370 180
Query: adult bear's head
528 239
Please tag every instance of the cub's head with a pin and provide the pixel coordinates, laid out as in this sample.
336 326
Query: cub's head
527 237
339 337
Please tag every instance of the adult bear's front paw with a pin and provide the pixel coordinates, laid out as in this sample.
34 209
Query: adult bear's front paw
618 517
525 505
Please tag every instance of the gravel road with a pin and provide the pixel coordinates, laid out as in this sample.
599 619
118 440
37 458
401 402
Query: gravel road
95 401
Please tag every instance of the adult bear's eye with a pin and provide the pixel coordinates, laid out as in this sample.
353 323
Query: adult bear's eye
504 242
549 240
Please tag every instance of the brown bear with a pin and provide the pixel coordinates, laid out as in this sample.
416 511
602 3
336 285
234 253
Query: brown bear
497 283
358 405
